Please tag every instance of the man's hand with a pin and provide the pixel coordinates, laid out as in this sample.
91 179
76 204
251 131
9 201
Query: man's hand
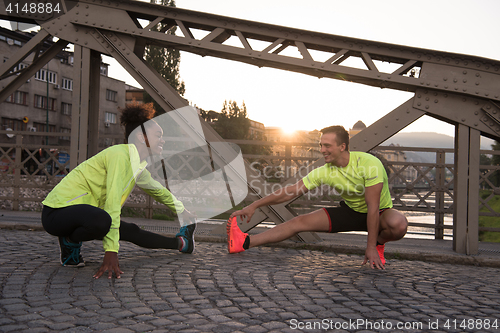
109 264
372 257
246 212
281 195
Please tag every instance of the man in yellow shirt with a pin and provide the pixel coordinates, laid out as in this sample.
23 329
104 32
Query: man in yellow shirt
361 181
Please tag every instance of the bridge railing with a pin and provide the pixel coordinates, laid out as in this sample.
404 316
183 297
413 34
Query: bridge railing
421 179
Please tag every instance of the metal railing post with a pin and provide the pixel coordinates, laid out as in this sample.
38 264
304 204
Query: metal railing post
149 207
439 195
288 161
17 172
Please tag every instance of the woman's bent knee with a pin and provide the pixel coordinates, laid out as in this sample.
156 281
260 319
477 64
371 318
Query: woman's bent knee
101 222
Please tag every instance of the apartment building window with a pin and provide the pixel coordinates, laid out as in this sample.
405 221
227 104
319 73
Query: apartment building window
65 130
41 127
14 124
110 117
41 102
104 70
19 67
67 84
11 41
111 95
66 108
44 75
19 97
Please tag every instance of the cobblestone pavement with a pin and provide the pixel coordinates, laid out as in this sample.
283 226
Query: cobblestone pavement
262 290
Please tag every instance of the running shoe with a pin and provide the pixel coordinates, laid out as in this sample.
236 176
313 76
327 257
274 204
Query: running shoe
380 249
186 238
235 237
70 253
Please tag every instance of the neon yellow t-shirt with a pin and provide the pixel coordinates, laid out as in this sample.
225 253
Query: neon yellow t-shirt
363 170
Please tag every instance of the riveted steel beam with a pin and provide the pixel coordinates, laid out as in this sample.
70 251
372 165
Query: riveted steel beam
454 108
29 71
416 67
385 127
23 52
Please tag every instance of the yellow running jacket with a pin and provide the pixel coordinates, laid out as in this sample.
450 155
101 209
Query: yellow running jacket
105 181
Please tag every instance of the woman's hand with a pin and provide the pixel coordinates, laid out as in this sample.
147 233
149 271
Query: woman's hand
110 264
186 217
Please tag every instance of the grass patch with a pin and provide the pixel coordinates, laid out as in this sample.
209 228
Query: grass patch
164 217
489 221
158 214
132 212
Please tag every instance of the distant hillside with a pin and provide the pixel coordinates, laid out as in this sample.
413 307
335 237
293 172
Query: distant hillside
428 140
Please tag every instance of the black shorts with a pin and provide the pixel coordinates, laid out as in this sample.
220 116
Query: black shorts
343 218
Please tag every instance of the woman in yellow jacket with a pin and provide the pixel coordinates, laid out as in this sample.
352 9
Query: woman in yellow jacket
86 204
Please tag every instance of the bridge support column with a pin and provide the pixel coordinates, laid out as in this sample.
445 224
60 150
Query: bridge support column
85 109
466 191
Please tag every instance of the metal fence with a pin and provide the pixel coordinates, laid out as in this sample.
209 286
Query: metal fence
29 169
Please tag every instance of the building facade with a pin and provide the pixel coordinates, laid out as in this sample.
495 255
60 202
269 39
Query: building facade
45 101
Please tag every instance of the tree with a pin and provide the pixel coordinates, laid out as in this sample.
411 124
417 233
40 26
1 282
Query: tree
209 116
166 61
233 122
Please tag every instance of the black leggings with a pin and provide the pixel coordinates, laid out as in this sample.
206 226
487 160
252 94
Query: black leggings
82 223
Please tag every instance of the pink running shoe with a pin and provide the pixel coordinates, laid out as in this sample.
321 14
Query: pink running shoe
380 249
235 237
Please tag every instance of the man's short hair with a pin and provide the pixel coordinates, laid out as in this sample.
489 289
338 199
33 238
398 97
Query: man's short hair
342 136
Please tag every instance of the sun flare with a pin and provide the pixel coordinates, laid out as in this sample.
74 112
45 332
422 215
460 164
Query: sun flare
288 130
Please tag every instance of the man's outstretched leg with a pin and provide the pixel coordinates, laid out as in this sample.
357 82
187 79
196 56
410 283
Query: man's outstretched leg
393 226
237 241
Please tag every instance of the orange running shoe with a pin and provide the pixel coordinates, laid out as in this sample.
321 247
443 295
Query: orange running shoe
380 249
235 237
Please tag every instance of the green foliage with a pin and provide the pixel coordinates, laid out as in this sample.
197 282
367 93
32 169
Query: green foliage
489 221
164 217
158 213
132 212
484 160
166 61
495 160
233 122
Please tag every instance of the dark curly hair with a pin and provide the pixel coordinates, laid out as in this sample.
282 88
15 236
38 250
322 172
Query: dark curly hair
134 115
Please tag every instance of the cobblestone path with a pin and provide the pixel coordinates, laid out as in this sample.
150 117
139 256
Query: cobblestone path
261 290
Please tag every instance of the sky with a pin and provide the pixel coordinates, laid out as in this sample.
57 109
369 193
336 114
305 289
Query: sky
296 101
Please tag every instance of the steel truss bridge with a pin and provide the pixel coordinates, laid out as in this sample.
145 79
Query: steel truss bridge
459 89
